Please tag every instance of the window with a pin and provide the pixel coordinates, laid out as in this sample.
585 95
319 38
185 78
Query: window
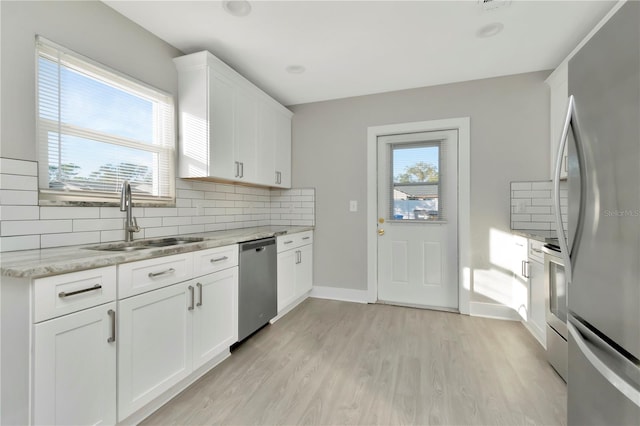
416 181
97 128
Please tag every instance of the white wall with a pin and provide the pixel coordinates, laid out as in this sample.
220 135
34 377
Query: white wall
509 141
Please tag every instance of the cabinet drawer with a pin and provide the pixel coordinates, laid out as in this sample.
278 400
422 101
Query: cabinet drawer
63 294
215 259
535 251
139 277
291 241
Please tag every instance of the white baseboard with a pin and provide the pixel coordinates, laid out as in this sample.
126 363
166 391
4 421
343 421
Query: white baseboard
537 333
493 310
289 308
337 293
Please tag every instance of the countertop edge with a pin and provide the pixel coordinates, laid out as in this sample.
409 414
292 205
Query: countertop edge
61 260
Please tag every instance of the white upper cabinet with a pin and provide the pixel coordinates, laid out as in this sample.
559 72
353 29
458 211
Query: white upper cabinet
558 83
229 129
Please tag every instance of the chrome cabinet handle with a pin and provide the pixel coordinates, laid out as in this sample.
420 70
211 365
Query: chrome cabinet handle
306 238
522 268
241 169
218 259
112 315
64 294
193 298
526 269
298 257
200 294
288 242
237 168
537 250
157 274
277 177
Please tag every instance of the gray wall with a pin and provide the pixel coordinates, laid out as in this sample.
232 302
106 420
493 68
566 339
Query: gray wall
509 141
90 28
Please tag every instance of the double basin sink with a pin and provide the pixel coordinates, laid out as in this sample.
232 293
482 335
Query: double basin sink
146 244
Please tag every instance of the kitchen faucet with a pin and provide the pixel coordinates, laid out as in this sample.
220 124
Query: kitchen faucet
131 224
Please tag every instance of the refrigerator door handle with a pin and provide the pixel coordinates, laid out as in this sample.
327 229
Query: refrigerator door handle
627 387
569 122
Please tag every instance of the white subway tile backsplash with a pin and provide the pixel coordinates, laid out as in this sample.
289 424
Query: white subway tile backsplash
69 239
19 212
18 167
200 207
18 198
190 229
176 220
84 225
160 211
164 231
20 182
71 212
32 227
23 242
533 209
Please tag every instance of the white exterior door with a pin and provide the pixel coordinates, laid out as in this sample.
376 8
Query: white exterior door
418 219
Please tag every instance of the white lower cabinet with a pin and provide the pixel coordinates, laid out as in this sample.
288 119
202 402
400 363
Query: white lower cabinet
74 372
215 319
537 320
155 345
295 268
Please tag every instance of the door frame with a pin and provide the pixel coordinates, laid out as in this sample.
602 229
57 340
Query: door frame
463 126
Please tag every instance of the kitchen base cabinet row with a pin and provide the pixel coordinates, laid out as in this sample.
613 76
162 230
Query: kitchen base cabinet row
113 344
96 359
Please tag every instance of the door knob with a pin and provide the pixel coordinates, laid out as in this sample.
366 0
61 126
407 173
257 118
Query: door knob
380 231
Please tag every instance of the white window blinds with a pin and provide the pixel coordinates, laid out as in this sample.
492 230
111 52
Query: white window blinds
97 128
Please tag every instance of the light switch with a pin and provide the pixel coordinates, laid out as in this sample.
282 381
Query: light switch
353 206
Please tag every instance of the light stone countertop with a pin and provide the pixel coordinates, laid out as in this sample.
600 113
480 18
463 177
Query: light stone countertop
60 260
539 235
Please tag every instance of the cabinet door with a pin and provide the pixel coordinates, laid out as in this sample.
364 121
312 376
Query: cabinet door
215 322
75 369
282 151
245 133
221 153
537 300
304 270
520 282
155 344
286 278
267 145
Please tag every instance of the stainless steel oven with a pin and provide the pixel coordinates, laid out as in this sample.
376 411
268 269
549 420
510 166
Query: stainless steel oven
556 307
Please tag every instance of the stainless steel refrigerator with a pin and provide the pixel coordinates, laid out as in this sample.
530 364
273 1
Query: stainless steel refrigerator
602 251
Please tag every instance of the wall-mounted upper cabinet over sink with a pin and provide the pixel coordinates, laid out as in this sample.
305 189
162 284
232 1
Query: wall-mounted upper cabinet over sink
230 130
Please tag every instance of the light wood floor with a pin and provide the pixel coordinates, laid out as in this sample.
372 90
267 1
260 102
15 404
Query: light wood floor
339 363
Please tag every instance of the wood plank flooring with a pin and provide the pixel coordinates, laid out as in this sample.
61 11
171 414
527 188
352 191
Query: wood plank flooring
340 363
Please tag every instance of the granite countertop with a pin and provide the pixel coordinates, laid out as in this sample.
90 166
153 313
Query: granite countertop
546 236
60 260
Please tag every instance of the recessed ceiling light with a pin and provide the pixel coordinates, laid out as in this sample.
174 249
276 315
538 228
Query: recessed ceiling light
490 30
237 7
295 69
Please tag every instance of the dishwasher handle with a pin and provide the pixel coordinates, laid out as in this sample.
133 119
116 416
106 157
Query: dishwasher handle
257 245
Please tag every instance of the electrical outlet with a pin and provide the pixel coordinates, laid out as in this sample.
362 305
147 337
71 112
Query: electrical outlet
353 206
521 206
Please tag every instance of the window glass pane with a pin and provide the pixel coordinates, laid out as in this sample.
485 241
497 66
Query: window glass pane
416 181
87 165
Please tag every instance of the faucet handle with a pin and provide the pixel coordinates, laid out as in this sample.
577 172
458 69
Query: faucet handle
135 227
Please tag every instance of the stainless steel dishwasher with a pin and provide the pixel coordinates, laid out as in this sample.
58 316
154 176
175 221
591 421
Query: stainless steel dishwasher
258 291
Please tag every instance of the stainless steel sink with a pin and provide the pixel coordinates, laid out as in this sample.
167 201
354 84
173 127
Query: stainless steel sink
146 244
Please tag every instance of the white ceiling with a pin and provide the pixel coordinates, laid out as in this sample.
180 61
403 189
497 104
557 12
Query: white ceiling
352 48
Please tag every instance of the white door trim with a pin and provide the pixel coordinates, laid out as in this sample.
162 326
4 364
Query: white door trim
463 126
